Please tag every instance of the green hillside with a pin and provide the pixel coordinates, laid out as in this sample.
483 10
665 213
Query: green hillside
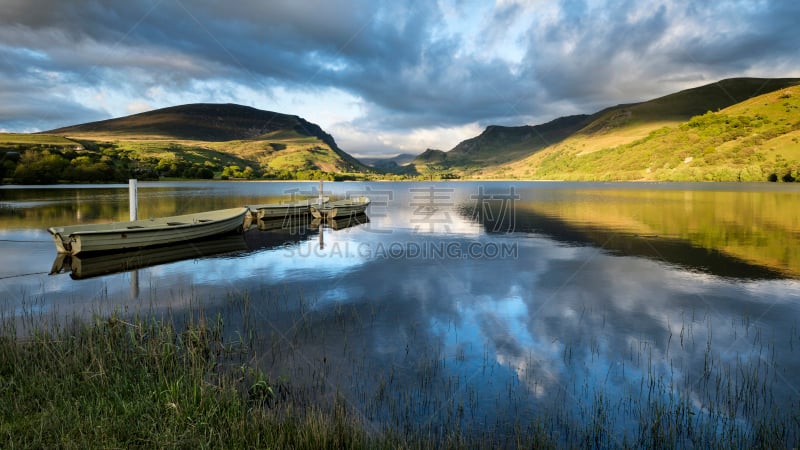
738 129
555 150
681 106
189 141
755 140
498 145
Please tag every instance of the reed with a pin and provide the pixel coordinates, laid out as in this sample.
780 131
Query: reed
144 382
271 370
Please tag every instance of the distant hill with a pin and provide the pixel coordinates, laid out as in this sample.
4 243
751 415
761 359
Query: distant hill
198 122
753 140
736 129
498 144
535 151
390 162
685 104
264 139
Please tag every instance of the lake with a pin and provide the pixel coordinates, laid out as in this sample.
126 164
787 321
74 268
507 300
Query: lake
494 308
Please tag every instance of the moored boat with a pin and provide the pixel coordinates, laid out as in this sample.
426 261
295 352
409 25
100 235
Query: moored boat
341 223
97 264
113 236
340 208
286 209
348 221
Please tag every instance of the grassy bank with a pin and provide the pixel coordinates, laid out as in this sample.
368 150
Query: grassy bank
122 382
145 384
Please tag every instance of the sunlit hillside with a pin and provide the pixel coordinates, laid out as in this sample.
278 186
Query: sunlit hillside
754 140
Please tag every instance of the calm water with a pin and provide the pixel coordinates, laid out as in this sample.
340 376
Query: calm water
476 305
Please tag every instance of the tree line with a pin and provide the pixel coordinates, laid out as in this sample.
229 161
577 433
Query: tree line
43 164
51 164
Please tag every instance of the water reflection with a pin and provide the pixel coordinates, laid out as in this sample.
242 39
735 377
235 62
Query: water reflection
622 294
503 339
664 248
342 222
80 266
728 233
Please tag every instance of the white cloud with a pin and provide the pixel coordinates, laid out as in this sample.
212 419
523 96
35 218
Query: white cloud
366 143
380 76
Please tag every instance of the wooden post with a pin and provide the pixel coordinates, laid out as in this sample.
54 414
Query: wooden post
133 207
135 283
321 236
133 199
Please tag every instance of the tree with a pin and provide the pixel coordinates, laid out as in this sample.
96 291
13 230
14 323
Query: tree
40 167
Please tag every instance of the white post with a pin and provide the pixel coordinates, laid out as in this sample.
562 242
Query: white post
133 200
320 193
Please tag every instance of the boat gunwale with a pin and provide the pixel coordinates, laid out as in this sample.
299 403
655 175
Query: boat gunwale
155 227
279 206
343 203
348 206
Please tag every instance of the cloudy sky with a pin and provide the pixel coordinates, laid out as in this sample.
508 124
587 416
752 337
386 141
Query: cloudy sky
382 76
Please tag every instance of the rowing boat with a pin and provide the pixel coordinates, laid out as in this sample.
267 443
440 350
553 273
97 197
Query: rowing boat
285 209
97 264
340 208
341 223
113 236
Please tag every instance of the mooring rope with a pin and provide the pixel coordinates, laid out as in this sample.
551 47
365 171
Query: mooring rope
24 275
30 242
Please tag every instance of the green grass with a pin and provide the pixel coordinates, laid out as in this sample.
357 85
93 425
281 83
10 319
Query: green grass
163 382
285 151
192 152
145 383
34 139
189 140
749 141
517 152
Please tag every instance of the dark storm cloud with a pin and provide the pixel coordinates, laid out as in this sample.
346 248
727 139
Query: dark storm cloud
34 111
596 57
585 56
411 64
761 32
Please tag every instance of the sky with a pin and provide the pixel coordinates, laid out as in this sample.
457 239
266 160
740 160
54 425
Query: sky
382 76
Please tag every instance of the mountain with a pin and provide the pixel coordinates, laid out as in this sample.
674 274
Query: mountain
265 139
389 163
756 140
498 144
736 129
752 140
198 122
521 152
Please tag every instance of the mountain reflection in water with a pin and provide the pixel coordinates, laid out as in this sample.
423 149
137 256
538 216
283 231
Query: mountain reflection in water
609 305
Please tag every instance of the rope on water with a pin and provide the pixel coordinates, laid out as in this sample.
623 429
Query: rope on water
24 275
30 242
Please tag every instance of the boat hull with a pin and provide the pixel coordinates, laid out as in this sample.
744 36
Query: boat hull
146 233
280 210
340 208
92 265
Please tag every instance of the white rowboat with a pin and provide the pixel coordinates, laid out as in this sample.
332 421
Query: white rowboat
341 208
280 210
97 264
105 237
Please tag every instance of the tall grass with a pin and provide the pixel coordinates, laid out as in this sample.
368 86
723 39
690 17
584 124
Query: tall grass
117 383
224 379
